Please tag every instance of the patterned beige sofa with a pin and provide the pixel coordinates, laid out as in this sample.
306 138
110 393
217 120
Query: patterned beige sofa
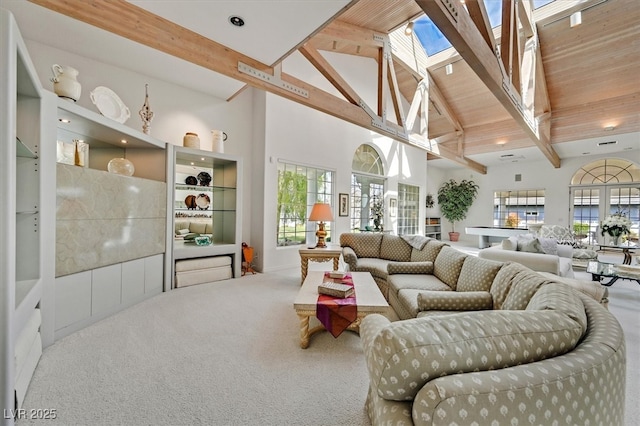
528 351
373 252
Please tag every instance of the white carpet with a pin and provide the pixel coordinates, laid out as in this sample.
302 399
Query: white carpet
228 353
225 353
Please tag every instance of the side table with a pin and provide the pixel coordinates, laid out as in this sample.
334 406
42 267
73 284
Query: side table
318 255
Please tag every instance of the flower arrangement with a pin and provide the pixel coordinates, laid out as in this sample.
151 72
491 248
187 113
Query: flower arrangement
377 211
616 225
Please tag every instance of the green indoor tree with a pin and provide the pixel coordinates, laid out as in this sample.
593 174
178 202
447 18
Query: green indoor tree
455 199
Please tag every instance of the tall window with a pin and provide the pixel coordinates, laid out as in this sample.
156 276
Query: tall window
299 188
518 209
367 184
408 209
601 188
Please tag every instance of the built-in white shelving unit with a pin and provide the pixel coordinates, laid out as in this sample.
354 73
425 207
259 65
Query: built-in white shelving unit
26 225
222 216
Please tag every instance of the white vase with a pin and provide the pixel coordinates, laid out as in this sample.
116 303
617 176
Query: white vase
121 166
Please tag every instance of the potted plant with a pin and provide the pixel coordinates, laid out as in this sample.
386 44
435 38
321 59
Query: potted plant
455 199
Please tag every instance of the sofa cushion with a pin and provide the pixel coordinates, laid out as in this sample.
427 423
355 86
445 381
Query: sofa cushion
525 284
503 281
561 298
429 252
454 301
363 244
477 274
448 265
376 267
395 248
407 354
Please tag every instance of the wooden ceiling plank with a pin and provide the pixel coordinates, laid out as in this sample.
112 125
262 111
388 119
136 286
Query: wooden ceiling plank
464 37
322 65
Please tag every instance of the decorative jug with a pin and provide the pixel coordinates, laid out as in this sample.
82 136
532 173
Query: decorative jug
217 141
65 82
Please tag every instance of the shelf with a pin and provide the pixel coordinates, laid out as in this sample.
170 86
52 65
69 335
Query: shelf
183 187
99 131
24 151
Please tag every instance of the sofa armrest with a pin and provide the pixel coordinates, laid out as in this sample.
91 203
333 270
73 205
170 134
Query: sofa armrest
410 268
405 355
565 251
350 257
454 301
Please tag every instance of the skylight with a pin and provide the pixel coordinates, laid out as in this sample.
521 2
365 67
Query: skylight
434 41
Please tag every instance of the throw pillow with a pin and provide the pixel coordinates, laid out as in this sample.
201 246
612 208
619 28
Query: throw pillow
532 246
510 243
549 245
523 239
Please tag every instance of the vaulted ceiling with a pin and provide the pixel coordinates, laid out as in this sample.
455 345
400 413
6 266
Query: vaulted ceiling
587 77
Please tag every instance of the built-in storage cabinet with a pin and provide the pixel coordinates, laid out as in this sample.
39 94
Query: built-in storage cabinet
204 198
433 227
122 263
26 249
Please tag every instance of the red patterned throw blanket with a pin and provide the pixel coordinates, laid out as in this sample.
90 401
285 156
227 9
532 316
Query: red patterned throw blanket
336 314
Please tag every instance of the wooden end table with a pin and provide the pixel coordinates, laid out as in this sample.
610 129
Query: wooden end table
369 300
318 255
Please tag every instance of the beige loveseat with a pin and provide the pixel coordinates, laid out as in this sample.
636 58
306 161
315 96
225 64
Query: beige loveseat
537 253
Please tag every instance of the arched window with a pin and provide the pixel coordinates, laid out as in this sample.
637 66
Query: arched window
601 188
367 188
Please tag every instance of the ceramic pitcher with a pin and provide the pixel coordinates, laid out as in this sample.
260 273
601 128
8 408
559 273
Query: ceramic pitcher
65 82
217 141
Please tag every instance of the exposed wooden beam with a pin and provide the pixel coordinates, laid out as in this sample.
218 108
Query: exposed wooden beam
462 33
322 65
479 15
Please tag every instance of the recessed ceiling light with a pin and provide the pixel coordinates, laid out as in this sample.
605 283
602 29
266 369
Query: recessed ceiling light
236 20
609 128
64 120
123 141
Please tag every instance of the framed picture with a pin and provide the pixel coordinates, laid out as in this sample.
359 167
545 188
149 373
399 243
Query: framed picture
343 204
393 207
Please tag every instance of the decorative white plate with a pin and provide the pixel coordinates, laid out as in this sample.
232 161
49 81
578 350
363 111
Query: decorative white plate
109 104
203 201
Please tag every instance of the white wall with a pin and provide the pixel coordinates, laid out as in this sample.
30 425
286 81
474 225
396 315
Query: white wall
535 175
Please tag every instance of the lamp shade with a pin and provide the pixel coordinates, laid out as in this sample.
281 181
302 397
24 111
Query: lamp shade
321 213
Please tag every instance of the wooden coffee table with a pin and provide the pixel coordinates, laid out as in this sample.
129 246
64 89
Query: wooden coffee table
368 298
